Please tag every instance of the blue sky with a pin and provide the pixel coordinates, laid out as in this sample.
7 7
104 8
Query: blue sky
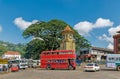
96 20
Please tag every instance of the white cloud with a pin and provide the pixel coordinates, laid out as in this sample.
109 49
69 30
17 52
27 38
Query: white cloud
85 27
0 28
22 24
112 31
34 21
110 46
109 38
106 38
103 23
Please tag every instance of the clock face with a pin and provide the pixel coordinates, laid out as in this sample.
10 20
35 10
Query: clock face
70 36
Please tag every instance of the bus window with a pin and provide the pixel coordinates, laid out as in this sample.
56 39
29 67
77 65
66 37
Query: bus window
57 52
113 59
117 59
109 58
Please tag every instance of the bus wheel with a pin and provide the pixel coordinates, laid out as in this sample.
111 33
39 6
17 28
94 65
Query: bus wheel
48 67
118 68
71 68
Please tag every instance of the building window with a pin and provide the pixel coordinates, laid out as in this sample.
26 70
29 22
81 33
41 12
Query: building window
118 48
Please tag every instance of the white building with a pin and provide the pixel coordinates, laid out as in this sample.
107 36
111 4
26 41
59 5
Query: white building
11 55
96 53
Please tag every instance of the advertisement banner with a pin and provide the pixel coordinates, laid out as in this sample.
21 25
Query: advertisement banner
3 61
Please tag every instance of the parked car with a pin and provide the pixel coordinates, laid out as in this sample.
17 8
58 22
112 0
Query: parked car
91 67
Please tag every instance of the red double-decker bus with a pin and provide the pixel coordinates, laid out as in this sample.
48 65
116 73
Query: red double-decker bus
58 59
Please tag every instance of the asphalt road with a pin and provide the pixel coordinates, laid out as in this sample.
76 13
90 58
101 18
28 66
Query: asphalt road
61 74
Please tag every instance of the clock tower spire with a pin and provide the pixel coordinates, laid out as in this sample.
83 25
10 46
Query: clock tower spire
68 42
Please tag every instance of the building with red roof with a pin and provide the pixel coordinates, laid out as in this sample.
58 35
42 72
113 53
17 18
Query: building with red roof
11 55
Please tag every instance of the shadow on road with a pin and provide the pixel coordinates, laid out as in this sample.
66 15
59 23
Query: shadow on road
108 69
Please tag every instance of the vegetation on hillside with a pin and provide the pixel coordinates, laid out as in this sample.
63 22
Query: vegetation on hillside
6 46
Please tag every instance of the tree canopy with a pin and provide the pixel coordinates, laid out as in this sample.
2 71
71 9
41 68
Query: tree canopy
48 37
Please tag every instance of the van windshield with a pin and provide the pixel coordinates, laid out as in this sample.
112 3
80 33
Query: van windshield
89 64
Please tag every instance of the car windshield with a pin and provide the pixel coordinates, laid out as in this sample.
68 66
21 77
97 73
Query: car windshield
89 64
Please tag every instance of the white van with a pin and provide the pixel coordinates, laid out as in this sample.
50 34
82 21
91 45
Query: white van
22 63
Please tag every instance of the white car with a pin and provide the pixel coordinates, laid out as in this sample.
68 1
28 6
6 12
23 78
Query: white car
92 67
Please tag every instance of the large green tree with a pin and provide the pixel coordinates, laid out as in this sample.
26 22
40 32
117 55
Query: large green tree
48 37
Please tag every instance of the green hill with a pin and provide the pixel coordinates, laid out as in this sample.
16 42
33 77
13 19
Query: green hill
5 46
